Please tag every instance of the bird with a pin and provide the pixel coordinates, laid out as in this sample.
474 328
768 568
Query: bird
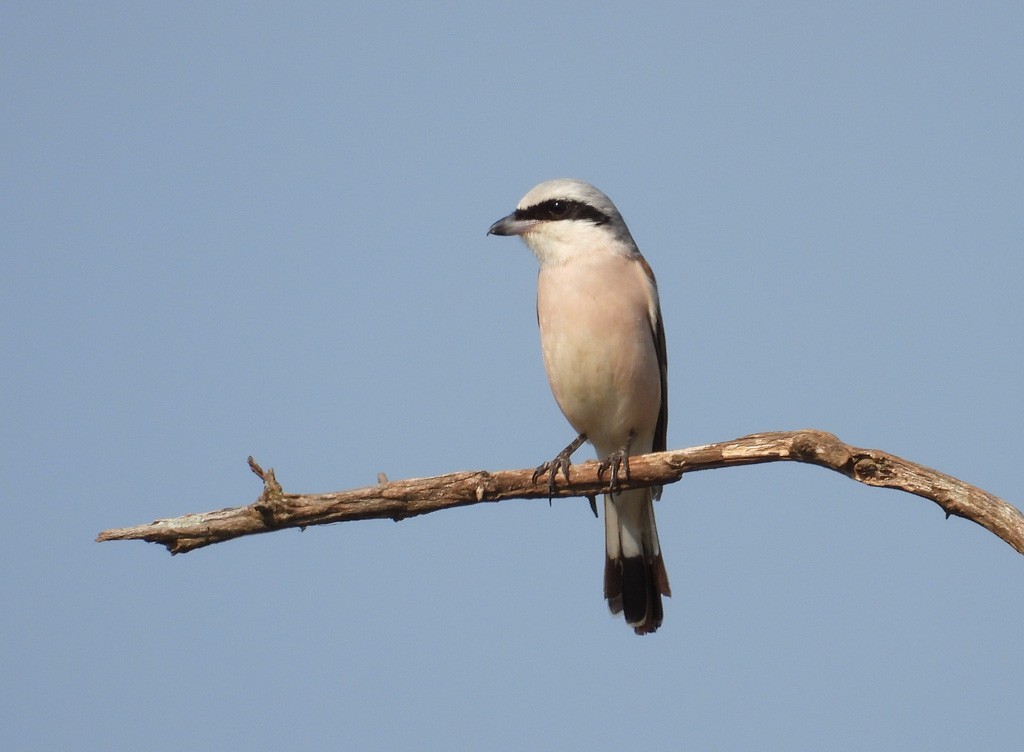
603 344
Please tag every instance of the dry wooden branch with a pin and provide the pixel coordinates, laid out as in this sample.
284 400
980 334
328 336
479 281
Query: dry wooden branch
397 500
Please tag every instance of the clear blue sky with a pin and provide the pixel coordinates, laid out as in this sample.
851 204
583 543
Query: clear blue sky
261 229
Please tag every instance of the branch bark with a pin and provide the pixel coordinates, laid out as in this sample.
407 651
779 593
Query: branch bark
397 500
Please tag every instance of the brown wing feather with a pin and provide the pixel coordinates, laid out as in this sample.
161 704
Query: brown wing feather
658 332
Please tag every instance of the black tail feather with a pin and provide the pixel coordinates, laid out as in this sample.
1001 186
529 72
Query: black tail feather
633 587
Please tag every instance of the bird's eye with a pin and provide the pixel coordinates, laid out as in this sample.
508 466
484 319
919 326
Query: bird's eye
558 209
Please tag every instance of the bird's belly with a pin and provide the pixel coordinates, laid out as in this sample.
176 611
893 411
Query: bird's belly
602 364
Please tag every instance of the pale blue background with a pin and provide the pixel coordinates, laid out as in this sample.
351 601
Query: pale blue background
260 229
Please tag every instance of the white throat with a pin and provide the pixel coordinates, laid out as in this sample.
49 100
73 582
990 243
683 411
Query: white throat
560 243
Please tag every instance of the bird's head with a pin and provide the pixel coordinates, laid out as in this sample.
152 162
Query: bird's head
564 219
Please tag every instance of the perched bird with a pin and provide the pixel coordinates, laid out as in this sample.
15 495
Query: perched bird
604 352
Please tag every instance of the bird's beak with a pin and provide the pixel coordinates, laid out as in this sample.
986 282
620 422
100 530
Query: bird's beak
511 226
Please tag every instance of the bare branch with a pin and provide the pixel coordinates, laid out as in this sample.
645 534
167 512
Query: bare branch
397 500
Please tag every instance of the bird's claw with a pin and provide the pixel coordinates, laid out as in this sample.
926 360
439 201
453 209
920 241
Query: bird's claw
561 463
613 462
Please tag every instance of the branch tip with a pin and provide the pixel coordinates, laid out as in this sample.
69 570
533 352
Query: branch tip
255 467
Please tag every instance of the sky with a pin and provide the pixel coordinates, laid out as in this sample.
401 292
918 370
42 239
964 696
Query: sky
260 229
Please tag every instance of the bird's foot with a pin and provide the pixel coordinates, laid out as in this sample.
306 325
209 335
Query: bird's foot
612 463
560 462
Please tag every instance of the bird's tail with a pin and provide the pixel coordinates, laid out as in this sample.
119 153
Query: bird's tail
634 573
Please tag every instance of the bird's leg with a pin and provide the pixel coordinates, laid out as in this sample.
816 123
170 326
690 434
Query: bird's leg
613 461
560 462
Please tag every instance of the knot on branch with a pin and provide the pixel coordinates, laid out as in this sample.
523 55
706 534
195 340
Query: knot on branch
872 470
820 448
270 497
